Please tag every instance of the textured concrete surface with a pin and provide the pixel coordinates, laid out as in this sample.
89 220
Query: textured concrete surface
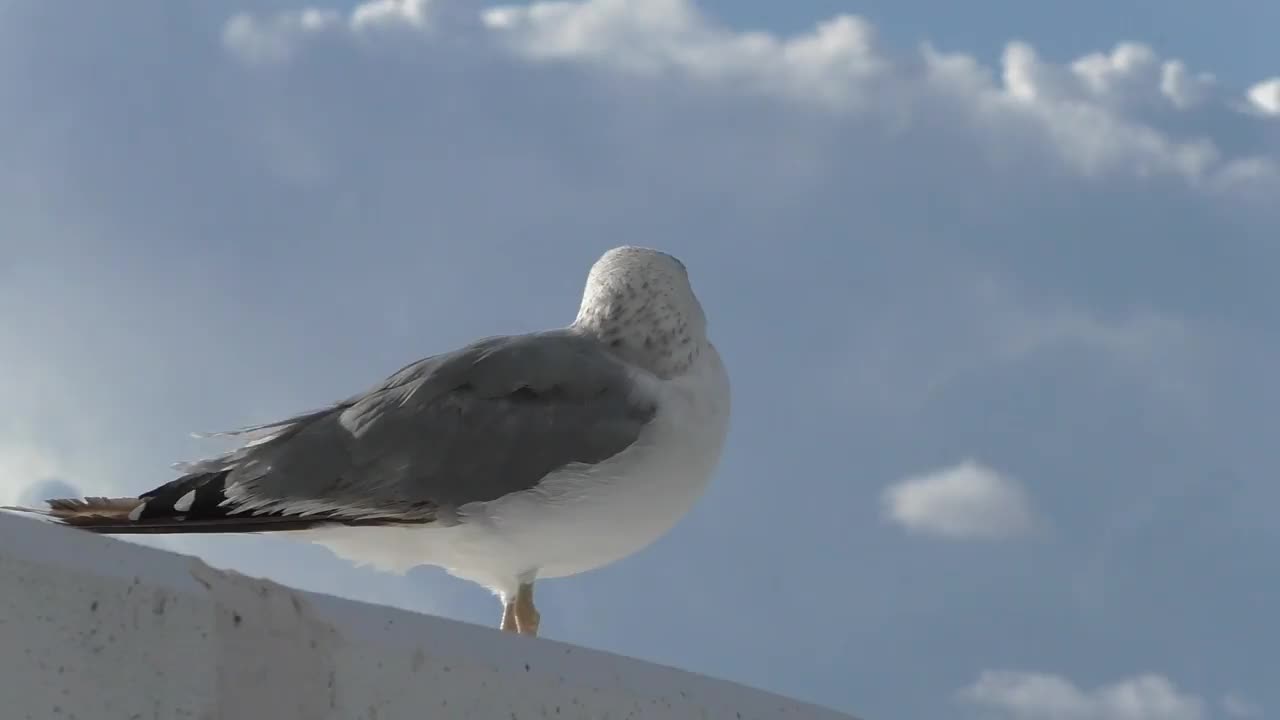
97 629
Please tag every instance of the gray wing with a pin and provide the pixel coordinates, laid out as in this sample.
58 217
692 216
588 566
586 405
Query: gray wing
492 418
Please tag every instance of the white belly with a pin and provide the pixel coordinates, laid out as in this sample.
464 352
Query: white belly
580 518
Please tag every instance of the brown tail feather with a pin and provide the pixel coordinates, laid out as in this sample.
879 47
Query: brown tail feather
88 510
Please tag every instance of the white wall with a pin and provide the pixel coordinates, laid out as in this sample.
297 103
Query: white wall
98 629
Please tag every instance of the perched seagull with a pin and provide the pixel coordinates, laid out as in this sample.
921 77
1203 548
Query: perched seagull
512 459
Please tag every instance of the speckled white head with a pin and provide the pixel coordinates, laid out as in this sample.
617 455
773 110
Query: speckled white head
639 302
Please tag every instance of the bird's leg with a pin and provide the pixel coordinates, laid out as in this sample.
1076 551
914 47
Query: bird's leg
509 616
526 615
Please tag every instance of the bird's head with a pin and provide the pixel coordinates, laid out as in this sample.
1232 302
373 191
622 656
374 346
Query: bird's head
639 301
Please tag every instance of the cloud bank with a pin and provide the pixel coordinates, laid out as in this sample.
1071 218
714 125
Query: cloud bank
1036 696
1102 113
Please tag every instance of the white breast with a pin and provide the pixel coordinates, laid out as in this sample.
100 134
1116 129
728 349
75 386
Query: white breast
580 518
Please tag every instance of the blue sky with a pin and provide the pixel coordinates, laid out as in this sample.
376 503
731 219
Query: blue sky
1000 315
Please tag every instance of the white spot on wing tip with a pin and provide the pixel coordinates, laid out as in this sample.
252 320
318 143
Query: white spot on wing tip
136 514
184 502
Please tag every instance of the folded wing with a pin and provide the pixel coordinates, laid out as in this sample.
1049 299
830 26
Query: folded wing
493 418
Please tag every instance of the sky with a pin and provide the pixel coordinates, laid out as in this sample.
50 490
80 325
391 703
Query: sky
995 288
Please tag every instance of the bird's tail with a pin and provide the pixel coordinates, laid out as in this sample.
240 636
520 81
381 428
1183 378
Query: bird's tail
193 503
86 511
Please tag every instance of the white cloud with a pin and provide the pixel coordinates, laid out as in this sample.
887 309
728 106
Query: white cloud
276 38
1037 696
1081 111
1238 706
1133 74
390 13
980 323
832 63
1156 347
1265 96
21 465
968 500
1181 87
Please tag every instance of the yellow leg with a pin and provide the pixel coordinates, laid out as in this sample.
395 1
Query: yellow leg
509 617
526 615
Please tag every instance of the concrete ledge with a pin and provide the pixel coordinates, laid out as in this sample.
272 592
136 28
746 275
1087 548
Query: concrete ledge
98 629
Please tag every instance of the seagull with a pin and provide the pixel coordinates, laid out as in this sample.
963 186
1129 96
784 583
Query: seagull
511 459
